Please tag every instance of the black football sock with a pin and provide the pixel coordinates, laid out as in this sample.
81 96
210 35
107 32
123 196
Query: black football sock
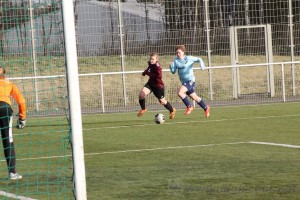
169 107
143 103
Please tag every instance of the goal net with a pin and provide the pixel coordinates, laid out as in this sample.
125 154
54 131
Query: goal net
31 46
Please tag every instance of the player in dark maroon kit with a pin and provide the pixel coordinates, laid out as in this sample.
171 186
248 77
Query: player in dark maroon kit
155 84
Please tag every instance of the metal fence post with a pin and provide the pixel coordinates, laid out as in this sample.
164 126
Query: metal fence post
283 84
122 50
290 16
102 93
33 54
208 48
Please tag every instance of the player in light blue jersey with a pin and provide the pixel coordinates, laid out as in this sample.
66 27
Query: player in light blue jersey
184 66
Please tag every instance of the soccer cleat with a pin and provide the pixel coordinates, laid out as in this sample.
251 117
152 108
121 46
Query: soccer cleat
141 112
189 110
172 114
206 113
15 176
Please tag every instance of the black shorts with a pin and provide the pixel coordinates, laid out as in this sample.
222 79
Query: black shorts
5 121
158 92
5 110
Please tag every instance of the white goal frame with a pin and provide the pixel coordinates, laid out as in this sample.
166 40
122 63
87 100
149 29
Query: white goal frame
74 100
234 50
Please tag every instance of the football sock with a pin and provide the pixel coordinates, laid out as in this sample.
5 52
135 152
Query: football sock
143 103
186 101
168 106
202 104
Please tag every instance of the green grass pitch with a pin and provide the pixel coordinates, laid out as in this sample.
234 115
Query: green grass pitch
191 157
240 152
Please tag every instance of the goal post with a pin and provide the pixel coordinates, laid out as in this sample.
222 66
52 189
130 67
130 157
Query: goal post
266 34
74 100
38 50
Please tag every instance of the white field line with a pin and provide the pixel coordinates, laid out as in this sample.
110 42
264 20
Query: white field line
276 144
206 121
137 150
170 123
215 107
167 148
6 194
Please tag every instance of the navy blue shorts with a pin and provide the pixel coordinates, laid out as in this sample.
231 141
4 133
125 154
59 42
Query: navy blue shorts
190 85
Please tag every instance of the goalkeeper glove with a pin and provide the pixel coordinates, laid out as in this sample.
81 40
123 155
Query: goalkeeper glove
21 123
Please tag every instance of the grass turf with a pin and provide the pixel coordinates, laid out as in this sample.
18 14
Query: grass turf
190 157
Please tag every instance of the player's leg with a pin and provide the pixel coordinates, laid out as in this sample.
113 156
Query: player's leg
143 93
171 109
182 93
201 103
7 140
160 95
9 151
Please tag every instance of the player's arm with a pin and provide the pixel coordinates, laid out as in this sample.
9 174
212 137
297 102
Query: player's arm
173 67
193 59
16 94
145 72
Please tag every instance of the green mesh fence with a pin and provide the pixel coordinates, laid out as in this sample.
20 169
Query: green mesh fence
32 52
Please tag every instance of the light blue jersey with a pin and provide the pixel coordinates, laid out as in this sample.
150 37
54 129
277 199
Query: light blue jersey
185 67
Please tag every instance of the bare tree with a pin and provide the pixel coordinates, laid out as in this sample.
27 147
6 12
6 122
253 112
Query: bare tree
13 14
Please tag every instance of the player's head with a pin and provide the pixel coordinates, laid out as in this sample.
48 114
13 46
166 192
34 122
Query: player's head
180 51
153 58
2 71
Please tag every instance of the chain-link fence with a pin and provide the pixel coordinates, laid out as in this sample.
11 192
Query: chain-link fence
117 36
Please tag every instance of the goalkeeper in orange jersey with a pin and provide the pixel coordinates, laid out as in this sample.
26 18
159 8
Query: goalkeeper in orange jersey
155 84
7 90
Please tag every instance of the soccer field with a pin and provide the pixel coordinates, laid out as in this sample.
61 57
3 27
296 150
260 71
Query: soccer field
240 152
245 152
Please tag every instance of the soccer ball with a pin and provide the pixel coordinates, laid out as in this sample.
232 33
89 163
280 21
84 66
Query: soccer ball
159 118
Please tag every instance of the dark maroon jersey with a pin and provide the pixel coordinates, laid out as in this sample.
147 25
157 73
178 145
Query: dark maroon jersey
155 75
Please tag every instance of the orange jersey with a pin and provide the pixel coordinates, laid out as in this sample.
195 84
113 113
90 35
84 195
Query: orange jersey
8 89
